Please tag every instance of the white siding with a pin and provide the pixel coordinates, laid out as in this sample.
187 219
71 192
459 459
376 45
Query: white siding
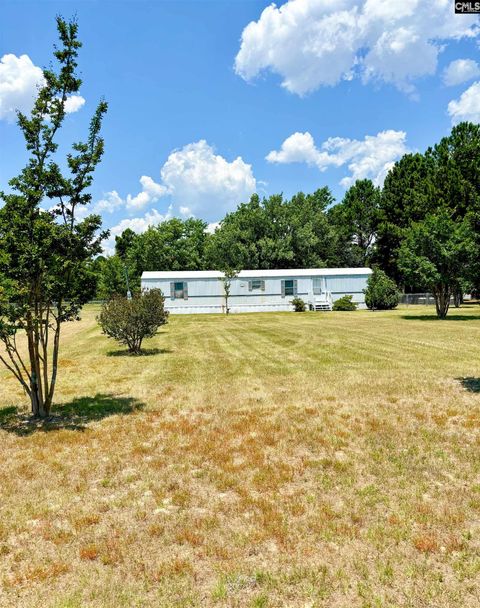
205 292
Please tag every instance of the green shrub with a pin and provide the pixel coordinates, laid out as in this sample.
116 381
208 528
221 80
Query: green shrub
298 304
381 292
344 303
129 322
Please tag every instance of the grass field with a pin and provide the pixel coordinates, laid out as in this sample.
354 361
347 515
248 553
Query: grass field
264 460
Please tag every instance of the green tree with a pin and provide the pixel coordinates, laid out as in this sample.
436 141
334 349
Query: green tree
356 220
111 273
46 259
406 198
446 177
382 292
172 245
129 322
228 276
124 242
435 253
275 233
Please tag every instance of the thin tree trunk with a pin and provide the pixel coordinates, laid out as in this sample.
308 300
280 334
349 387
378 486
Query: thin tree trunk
442 300
56 350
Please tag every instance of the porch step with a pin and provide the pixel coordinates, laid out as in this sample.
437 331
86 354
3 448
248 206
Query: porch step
322 306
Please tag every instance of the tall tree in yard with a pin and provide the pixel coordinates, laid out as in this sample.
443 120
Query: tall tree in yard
46 268
356 220
435 253
406 198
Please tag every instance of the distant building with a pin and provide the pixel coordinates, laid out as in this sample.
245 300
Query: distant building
258 290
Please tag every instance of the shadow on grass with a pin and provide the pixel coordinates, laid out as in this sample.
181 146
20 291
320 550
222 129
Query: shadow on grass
74 415
435 318
146 352
470 384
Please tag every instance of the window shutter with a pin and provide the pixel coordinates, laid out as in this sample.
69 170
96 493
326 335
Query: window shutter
172 291
263 285
185 291
249 285
295 285
283 289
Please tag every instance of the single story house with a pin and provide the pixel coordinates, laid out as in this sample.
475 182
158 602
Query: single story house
202 291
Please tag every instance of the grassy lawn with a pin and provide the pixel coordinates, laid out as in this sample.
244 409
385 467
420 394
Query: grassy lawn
258 460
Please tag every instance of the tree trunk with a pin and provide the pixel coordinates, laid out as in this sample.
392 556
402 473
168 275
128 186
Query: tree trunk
458 298
442 300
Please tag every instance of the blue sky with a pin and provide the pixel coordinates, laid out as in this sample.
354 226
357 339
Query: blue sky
210 100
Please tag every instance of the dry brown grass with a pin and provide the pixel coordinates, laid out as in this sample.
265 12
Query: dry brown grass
317 460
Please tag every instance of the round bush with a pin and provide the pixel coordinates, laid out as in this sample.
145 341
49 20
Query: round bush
344 303
381 293
129 322
298 304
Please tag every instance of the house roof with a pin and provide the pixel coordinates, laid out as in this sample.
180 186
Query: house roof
287 272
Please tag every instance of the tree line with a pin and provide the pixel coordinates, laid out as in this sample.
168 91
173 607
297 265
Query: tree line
422 228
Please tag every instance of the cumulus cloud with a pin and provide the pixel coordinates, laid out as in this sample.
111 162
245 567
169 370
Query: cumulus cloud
459 71
150 193
110 203
19 83
74 103
467 107
314 43
20 80
205 182
371 157
195 180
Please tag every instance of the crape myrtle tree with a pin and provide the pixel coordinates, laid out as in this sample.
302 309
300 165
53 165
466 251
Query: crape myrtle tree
46 255
435 253
229 274
456 180
129 322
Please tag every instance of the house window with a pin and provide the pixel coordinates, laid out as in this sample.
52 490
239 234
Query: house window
179 290
317 286
289 287
256 284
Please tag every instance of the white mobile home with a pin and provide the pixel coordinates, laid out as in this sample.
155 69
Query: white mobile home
257 290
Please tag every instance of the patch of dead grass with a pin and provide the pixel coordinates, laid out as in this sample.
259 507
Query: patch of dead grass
321 460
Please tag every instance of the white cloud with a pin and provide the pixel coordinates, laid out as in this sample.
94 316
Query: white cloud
459 71
137 224
467 107
371 157
110 203
74 103
206 182
197 182
314 43
20 80
150 193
